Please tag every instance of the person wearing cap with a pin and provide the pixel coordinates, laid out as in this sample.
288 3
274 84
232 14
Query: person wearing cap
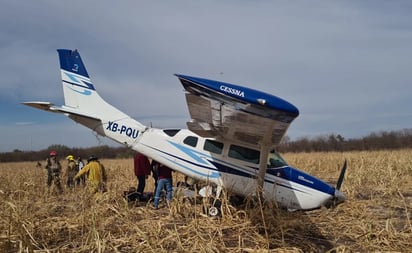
53 168
71 171
96 175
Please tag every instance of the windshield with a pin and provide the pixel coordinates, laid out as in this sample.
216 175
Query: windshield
275 160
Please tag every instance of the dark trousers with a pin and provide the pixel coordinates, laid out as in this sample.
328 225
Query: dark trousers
141 183
49 177
81 180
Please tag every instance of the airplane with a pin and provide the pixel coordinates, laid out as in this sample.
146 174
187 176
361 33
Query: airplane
230 141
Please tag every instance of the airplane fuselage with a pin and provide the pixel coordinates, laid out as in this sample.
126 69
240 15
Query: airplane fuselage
217 162
221 163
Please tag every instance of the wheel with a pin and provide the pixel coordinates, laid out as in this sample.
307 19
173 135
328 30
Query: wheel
213 211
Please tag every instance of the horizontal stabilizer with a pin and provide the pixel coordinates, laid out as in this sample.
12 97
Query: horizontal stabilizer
47 106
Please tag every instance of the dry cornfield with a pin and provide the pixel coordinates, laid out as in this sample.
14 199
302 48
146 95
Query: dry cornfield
376 216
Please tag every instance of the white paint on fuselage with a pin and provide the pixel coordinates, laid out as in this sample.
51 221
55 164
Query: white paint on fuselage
197 163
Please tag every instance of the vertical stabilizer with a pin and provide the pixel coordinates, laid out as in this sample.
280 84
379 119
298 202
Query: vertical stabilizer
78 89
77 86
81 98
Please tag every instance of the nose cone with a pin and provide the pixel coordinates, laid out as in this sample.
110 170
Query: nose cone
339 197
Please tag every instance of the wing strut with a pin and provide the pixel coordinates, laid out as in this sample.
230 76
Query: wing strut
264 153
265 147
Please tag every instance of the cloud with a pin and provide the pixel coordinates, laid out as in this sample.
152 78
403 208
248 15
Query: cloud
343 64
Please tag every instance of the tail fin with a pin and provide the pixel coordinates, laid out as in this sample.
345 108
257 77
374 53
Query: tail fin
78 89
85 106
82 99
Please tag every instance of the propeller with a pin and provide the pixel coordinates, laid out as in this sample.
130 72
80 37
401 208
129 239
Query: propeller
341 176
338 197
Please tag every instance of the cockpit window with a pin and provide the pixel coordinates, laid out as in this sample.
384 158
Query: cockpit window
191 141
171 132
275 160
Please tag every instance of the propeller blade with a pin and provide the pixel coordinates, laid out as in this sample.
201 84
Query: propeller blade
341 176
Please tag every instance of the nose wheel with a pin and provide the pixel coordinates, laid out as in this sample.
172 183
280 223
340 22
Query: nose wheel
211 202
212 208
213 211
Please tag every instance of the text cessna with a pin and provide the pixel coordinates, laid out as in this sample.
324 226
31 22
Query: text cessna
232 91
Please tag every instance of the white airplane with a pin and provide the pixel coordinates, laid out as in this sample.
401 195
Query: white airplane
230 142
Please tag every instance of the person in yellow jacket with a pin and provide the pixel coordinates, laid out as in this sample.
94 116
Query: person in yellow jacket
71 171
96 175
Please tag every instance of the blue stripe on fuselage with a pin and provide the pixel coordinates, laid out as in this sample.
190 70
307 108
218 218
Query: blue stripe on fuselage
214 174
287 173
302 178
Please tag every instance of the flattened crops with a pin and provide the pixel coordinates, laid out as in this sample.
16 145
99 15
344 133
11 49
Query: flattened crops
376 216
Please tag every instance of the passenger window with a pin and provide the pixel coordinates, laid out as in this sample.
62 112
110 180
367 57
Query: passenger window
191 141
244 154
213 146
171 132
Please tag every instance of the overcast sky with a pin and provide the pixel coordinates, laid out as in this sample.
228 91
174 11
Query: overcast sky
345 64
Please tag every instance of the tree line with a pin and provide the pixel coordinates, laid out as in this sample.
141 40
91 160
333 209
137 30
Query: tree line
63 151
384 140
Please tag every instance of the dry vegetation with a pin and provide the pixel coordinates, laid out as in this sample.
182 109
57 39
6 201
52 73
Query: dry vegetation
376 217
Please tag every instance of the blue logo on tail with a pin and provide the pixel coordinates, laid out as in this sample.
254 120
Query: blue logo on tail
75 67
79 81
84 92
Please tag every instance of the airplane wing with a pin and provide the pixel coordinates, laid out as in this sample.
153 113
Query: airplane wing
229 111
240 114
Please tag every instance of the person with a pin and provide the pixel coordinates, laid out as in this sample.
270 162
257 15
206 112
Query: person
155 173
141 171
80 165
165 180
71 171
53 168
96 175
